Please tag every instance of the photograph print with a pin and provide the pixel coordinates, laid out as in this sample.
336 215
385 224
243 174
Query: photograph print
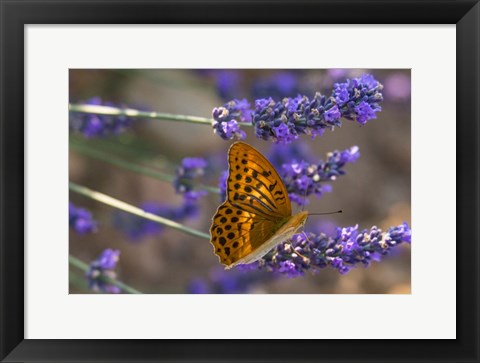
240 181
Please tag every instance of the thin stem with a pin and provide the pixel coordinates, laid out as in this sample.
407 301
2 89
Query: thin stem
130 112
131 149
132 166
103 198
76 280
84 267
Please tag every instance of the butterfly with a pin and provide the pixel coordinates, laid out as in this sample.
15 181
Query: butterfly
256 215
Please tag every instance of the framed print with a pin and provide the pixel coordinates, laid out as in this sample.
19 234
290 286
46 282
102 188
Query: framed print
239 175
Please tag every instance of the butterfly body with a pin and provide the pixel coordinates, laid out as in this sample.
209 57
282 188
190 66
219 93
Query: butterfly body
257 214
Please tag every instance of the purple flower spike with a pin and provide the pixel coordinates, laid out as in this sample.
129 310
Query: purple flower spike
283 121
81 220
101 268
190 169
349 155
92 126
358 99
401 233
226 119
108 259
303 179
194 163
344 251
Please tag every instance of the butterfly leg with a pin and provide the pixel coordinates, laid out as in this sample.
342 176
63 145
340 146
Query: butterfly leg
306 259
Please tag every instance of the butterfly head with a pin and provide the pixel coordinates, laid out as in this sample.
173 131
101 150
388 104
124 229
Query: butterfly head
300 219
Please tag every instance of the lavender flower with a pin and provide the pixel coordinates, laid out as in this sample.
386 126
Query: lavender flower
358 99
190 169
81 220
401 232
91 125
344 251
303 179
101 269
283 121
226 119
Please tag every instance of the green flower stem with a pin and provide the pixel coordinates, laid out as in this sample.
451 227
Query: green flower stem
103 198
130 112
75 279
131 149
84 267
131 166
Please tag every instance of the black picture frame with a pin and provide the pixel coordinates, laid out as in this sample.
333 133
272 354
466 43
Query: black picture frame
16 14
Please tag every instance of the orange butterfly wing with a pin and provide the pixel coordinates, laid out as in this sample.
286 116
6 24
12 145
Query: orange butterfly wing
257 205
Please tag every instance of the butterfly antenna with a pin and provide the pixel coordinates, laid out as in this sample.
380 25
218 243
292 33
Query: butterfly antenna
325 213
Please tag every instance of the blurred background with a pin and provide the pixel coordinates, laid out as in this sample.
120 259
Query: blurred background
375 191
